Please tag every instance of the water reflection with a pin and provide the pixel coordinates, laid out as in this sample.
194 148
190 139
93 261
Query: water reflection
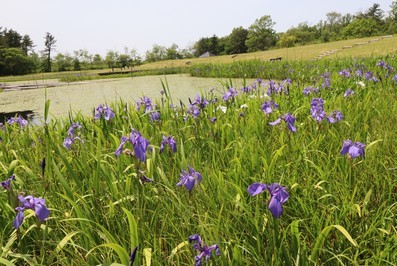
27 114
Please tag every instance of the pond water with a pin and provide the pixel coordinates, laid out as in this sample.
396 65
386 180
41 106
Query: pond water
85 96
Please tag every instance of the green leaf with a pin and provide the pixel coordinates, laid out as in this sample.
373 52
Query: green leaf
134 241
323 236
147 252
121 252
6 262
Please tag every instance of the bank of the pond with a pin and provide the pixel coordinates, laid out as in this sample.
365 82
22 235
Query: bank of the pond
83 97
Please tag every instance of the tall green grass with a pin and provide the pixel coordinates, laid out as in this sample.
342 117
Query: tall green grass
341 211
302 71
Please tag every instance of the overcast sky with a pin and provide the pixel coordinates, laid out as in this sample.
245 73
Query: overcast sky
100 26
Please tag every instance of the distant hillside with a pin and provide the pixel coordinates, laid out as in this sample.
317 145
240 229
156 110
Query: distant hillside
363 47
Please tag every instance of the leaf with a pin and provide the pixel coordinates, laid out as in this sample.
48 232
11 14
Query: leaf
65 240
11 168
147 252
180 246
121 252
133 228
323 236
10 242
373 143
6 262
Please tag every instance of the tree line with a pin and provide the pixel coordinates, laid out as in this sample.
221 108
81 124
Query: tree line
17 55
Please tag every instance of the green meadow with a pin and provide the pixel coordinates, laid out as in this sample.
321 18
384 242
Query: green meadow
105 199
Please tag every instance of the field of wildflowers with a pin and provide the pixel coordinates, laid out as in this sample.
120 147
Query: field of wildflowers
293 171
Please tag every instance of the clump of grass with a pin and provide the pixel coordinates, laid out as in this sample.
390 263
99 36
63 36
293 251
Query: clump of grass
340 210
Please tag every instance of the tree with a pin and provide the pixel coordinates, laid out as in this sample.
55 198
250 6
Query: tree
84 57
235 42
375 12
391 20
27 44
261 35
13 39
201 46
393 11
63 62
158 53
97 60
111 59
303 34
49 44
173 52
123 61
286 40
360 28
14 62
207 45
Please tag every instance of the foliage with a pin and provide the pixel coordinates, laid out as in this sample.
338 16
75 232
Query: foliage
235 43
286 40
261 35
158 53
206 44
49 44
359 28
13 61
340 211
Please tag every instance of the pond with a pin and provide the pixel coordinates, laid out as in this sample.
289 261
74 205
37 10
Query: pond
85 96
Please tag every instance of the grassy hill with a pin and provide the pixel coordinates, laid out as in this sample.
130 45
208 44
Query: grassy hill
348 48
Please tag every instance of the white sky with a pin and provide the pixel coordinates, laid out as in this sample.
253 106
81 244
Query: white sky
100 26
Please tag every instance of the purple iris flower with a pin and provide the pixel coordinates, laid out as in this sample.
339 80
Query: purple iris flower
345 73
246 89
358 73
2 126
278 193
72 129
68 141
317 109
213 119
395 78
30 202
326 83
121 146
310 90
7 184
104 111
140 144
289 119
370 76
335 116
194 111
205 251
386 66
268 106
146 102
170 141
230 94
189 178
200 102
354 150
154 116
382 64
348 93
19 120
